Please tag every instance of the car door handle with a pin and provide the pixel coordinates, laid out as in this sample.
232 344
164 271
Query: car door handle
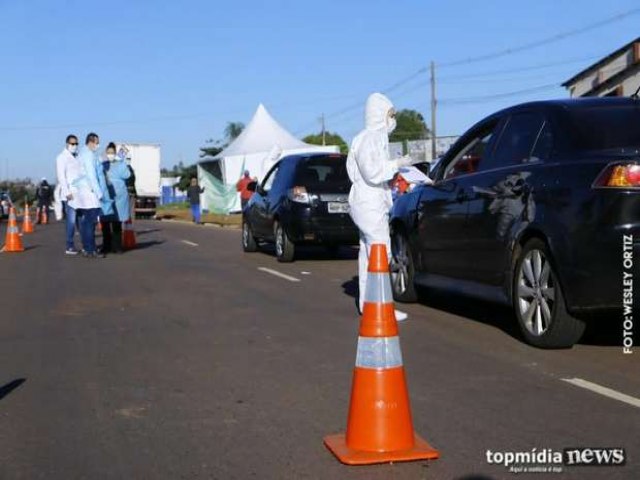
461 196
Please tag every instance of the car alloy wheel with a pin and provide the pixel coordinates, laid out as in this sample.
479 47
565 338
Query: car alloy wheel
279 241
249 243
402 269
538 300
285 249
536 292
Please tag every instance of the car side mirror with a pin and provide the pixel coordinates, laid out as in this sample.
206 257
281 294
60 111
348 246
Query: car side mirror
252 186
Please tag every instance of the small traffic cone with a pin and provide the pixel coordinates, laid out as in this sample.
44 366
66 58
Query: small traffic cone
379 427
13 242
27 224
128 236
44 218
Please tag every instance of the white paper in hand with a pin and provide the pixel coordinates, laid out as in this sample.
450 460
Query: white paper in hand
414 175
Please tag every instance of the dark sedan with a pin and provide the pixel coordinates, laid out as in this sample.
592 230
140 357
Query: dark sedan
532 208
303 200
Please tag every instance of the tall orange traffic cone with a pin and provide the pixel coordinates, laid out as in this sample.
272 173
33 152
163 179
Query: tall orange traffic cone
128 236
379 427
13 242
27 224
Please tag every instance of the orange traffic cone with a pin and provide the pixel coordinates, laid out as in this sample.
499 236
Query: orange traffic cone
27 224
379 427
44 216
128 236
13 241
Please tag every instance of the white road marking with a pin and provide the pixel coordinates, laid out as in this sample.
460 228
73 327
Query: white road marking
187 242
607 392
278 274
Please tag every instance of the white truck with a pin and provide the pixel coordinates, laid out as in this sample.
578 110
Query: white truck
145 161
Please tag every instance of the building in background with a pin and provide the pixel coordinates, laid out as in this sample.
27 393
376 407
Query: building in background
616 75
420 150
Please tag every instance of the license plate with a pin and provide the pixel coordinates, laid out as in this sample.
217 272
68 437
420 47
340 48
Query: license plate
338 207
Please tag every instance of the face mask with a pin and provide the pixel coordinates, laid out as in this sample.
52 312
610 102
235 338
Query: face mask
72 148
391 124
111 157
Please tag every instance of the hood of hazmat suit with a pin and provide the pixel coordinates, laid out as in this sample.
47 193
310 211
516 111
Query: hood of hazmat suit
369 166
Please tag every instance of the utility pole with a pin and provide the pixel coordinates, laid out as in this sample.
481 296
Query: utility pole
324 135
433 111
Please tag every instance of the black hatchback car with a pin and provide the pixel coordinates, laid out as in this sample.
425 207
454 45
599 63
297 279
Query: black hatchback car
303 200
532 208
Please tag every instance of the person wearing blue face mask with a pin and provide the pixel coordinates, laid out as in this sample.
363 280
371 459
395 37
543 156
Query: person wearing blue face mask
68 168
89 195
116 202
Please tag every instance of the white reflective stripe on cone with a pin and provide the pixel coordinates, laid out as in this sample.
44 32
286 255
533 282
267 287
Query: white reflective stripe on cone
378 289
12 230
383 352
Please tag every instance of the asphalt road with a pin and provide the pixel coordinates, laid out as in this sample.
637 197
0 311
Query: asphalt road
182 359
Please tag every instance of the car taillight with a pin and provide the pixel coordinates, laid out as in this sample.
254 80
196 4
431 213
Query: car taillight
299 195
620 176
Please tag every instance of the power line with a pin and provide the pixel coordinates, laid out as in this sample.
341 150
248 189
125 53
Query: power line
483 98
543 66
544 41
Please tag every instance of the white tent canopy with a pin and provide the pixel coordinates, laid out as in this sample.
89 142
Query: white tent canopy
260 135
259 145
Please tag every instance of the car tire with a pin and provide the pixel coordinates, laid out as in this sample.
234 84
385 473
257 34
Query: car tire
538 300
285 248
402 269
249 243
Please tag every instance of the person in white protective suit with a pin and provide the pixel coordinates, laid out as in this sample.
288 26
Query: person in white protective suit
370 169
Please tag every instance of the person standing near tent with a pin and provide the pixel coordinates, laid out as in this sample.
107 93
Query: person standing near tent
193 193
371 170
242 187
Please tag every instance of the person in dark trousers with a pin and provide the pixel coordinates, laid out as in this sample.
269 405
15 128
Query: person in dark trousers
43 196
116 174
193 193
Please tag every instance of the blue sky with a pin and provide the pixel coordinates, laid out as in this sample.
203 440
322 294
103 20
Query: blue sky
175 73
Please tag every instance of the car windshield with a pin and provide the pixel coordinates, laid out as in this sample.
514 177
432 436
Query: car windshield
323 172
605 128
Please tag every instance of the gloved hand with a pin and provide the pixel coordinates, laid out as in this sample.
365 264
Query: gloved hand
404 161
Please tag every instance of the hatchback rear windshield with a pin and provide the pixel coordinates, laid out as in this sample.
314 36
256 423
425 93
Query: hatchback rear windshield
605 128
322 171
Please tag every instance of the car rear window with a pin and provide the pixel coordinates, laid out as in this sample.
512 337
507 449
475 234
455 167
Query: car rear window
322 171
605 128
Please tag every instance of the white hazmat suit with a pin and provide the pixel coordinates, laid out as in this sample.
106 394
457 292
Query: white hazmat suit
370 170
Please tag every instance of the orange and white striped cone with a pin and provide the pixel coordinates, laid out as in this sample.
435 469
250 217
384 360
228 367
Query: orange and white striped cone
379 427
13 242
27 224
128 236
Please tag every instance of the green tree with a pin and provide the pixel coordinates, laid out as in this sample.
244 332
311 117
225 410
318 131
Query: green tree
233 131
411 126
186 174
330 139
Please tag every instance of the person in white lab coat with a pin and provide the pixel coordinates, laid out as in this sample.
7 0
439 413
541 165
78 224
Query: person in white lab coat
87 194
68 167
370 169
